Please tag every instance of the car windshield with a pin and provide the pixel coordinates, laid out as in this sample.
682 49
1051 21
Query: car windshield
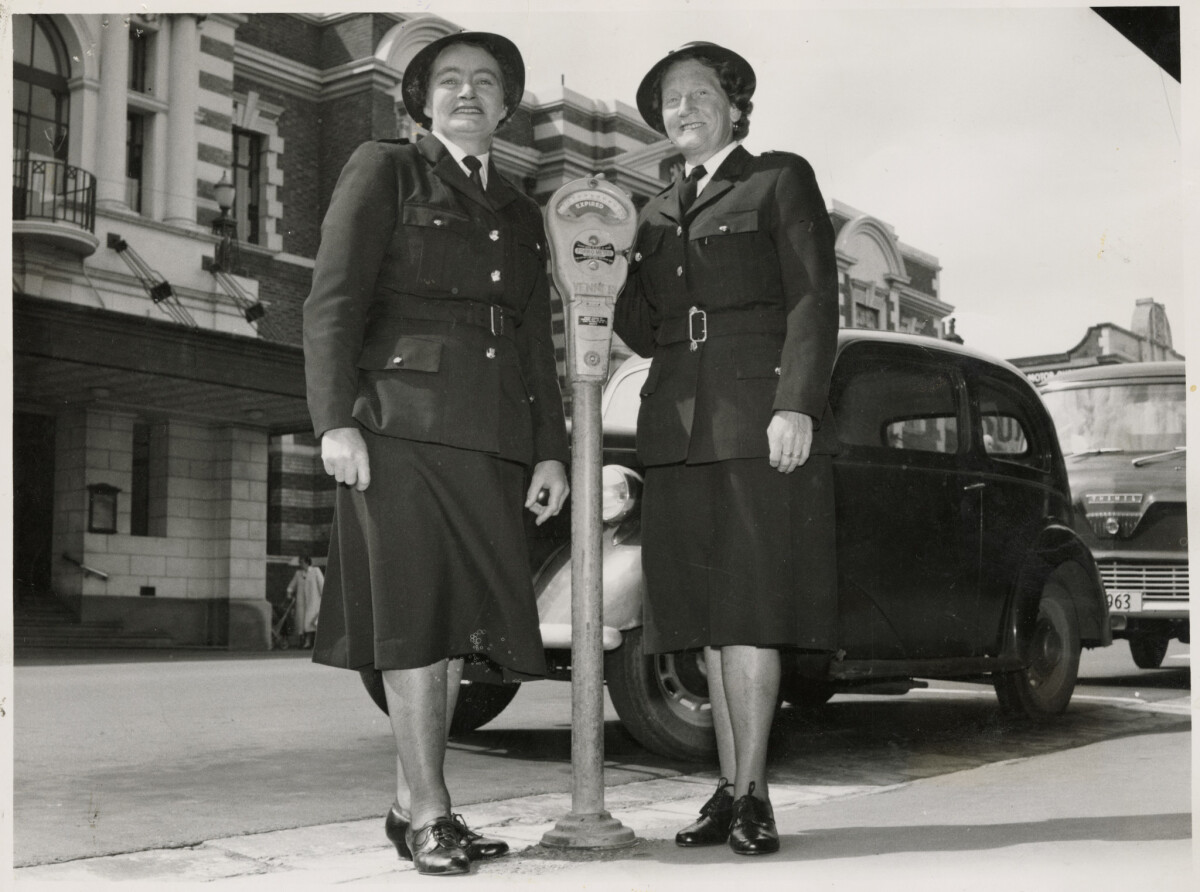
1118 418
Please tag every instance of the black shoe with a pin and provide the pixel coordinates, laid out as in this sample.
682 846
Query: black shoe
396 828
715 817
478 847
437 849
753 831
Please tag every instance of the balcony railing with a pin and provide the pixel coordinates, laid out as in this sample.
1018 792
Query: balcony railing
48 189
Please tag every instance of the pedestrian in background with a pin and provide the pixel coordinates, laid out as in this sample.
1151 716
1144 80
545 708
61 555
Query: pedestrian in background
306 585
733 291
433 389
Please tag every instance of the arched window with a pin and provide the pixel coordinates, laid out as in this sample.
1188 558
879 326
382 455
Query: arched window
41 98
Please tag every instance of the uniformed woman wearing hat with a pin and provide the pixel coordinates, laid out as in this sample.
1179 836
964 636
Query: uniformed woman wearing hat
433 390
733 291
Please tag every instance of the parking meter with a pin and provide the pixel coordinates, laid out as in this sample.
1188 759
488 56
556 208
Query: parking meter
591 224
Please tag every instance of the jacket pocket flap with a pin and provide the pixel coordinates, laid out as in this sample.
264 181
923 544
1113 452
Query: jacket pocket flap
726 223
433 217
401 354
651 381
647 243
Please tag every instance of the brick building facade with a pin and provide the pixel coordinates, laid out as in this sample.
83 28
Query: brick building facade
167 477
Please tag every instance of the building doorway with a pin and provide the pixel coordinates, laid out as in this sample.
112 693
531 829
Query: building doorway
33 507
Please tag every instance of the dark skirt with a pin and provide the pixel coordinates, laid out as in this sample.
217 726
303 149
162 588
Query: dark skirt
735 552
430 562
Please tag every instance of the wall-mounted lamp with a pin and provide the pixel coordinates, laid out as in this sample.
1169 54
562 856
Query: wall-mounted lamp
225 226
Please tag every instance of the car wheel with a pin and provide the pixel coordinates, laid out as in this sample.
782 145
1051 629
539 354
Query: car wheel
662 699
1044 687
805 693
1149 650
477 705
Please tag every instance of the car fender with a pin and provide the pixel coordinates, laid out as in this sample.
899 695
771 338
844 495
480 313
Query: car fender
1055 546
624 586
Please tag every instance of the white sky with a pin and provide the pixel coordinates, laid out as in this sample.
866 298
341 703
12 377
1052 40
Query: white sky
1033 150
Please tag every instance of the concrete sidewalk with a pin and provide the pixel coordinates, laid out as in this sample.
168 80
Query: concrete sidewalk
1007 825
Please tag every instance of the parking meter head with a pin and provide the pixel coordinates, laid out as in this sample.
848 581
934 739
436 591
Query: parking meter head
591 225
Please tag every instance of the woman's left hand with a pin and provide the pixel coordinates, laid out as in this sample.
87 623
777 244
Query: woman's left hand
790 437
552 477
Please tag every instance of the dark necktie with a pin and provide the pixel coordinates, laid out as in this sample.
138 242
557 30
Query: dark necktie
474 165
687 194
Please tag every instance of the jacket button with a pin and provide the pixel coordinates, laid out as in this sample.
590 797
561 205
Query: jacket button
397 360
637 256
679 230
777 370
438 221
494 235
679 270
723 228
495 275
454 291
491 352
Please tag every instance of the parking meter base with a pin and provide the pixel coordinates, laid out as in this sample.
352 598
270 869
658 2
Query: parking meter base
598 830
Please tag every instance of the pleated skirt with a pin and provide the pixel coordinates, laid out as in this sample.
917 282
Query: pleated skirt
735 552
430 562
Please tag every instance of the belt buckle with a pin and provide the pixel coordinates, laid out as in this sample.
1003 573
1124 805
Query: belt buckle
694 314
497 319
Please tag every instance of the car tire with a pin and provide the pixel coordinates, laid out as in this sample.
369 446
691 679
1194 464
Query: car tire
1149 651
1044 687
478 703
662 699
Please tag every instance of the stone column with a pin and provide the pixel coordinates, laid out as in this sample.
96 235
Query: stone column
182 91
114 90
240 535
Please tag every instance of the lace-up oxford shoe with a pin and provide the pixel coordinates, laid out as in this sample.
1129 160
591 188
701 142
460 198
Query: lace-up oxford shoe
753 829
437 848
712 828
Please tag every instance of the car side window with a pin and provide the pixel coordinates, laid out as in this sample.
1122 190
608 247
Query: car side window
890 401
1008 428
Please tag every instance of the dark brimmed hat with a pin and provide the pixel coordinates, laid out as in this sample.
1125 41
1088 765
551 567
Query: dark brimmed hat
416 75
651 106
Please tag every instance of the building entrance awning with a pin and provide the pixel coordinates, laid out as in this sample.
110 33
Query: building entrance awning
67 355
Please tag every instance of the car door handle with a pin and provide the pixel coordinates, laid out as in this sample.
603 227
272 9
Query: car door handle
971 486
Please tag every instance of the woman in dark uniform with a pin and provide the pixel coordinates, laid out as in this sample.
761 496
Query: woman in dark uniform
733 291
433 389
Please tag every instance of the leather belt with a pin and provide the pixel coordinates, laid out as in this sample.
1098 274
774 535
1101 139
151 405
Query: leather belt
700 325
499 321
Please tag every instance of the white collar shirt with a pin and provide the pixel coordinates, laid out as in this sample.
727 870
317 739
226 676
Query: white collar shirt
711 166
458 154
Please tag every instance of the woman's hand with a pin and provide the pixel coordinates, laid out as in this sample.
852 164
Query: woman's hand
552 477
790 437
344 454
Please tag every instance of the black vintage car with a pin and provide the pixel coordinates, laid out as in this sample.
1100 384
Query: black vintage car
956 552
1123 432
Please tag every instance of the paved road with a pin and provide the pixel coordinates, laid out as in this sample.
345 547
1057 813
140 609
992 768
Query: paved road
139 752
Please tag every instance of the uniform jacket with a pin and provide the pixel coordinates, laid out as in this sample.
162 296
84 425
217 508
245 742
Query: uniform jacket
756 252
399 334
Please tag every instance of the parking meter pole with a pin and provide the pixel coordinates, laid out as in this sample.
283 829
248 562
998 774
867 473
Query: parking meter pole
590 224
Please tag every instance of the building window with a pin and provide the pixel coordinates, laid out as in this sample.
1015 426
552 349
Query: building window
247 155
865 317
147 488
141 59
135 157
41 97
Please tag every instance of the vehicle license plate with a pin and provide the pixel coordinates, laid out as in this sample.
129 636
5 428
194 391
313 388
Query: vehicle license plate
1124 602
